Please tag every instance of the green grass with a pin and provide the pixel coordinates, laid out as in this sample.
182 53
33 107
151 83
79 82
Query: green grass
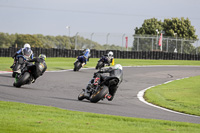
180 95
25 118
67 63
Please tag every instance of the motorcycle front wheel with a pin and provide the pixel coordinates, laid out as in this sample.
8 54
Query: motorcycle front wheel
22 80
81 96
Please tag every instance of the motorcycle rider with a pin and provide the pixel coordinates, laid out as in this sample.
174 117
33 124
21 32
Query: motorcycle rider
23 51
108 58
39 66
98 78
83 58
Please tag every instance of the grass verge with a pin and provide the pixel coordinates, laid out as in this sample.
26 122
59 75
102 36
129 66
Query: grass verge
180 95
20 117
67 63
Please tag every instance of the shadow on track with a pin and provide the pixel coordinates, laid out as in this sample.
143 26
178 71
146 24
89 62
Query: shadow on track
6 85
11 86
84 101
5 75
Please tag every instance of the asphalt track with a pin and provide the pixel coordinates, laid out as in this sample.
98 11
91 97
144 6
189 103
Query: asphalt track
60 89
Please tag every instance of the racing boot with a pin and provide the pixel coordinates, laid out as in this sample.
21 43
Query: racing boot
109 97
33 80
83 64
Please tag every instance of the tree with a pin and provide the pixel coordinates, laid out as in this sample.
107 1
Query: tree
7 40
148 27
182 28
32 40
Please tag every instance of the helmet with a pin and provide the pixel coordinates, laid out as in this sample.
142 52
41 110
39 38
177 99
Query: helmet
42 56
87 50
27 45
118 66
26 52
110 54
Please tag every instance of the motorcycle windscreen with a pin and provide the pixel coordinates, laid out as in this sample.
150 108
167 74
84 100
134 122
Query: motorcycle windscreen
21 60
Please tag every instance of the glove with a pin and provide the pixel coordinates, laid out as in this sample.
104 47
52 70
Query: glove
96 74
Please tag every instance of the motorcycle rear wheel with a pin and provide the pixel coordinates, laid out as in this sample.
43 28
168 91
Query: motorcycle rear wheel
99 94
77 66
100 65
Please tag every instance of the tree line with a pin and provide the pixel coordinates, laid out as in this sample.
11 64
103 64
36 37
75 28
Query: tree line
42 41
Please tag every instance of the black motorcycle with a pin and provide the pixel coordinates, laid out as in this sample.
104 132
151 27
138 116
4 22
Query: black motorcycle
99 92
26 76
103 61
19 64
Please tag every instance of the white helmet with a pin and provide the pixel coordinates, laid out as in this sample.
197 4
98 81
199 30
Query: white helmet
87 50
110 54
118 66
27 45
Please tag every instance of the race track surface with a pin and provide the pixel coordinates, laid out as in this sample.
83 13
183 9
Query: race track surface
61 89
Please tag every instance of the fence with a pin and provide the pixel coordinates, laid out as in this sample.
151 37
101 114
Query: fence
52 52
104 41
169 44
130 42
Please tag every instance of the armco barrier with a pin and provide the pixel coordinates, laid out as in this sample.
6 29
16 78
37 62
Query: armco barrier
156 55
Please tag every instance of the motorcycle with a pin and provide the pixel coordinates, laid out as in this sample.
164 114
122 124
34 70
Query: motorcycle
25 77
18 65
103 61
83 58
78 63
97 93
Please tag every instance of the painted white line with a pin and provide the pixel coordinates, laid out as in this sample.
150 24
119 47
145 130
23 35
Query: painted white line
140 96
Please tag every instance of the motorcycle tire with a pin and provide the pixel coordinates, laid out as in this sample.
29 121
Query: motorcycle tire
21 81
100 94
15 69
100 65
77 66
